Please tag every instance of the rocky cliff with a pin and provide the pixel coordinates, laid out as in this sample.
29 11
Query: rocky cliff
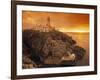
45 49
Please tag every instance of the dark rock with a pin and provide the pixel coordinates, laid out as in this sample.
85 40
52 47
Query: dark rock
28 63
51 48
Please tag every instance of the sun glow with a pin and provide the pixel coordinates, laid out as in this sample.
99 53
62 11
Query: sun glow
62 30
83 30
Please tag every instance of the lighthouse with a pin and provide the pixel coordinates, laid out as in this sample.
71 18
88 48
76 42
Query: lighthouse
44 28
48 22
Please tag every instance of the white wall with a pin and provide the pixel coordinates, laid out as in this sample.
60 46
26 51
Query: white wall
5 37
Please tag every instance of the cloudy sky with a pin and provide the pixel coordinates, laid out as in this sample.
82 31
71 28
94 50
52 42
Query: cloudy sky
65 22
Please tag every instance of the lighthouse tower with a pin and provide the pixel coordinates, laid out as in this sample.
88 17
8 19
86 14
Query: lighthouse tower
49 24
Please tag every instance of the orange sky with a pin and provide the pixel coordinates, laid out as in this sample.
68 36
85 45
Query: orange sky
65 22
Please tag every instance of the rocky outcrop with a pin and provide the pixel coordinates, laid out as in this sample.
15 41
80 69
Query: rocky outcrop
28 63
50 48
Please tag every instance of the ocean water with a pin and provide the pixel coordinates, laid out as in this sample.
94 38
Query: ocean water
82 40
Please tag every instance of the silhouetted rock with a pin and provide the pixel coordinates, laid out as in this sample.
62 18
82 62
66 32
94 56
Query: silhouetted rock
79 52
51 48
28 63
